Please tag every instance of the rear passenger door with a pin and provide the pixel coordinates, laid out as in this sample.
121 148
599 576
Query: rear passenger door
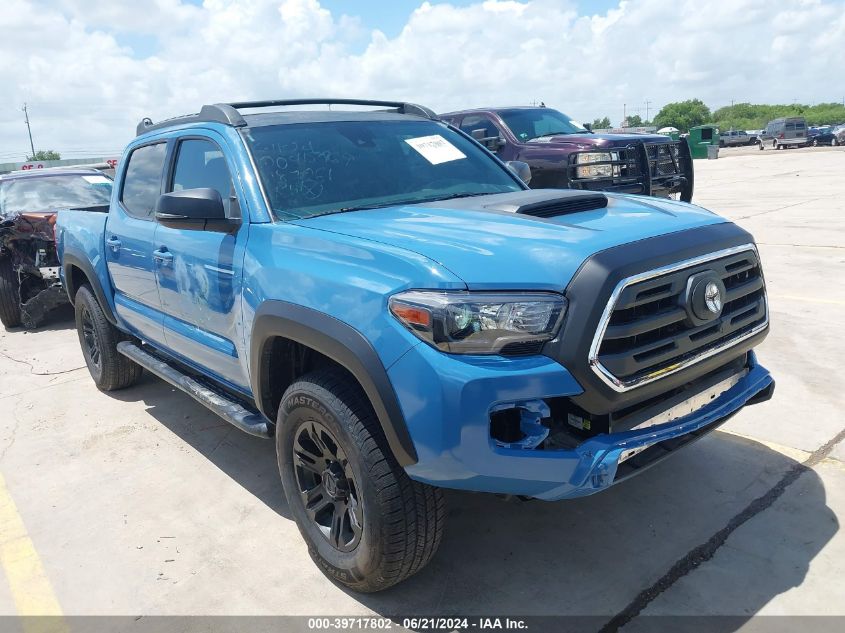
200 266
129 242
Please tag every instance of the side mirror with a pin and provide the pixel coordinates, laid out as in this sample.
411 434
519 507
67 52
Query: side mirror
522 170
190 206
493 143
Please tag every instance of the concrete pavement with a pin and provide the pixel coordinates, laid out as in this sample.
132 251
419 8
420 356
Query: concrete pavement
141 501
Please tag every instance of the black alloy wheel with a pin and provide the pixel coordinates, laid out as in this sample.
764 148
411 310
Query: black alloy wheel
89 338
327 486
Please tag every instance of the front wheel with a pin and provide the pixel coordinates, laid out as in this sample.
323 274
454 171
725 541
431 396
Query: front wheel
109 368
10 294
834 142
367 525
815 142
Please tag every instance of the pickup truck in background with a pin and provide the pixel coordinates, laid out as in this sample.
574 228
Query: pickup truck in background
562 153
735 138
384 297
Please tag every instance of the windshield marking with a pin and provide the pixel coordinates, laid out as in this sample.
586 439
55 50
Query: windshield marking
435 149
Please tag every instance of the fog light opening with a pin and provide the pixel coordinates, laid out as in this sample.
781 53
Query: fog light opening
522 425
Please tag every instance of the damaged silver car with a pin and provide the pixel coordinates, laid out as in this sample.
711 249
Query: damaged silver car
29 267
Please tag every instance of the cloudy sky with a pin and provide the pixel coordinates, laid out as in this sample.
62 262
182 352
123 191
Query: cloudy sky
90 70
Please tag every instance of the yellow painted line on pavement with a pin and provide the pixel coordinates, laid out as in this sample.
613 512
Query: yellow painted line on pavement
833 302
27 580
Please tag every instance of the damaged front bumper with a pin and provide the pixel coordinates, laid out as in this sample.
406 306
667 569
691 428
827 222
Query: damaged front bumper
28 241
452 431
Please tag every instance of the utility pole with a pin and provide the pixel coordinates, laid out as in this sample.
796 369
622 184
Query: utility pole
647 104
28 129
624 114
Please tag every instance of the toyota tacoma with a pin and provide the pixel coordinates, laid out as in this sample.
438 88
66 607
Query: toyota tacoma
381 295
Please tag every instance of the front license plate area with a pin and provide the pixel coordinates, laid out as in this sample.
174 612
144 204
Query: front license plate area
690 405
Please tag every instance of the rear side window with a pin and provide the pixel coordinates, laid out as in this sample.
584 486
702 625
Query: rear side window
142 182
200 164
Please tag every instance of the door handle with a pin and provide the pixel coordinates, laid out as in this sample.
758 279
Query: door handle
113 243
163 256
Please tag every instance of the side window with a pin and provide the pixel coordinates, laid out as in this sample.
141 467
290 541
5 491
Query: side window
142 182
476 122
201 164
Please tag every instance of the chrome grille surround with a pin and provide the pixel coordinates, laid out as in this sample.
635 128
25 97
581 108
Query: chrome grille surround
621 385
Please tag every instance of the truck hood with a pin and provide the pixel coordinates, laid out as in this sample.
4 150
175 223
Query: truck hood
487 244
584 141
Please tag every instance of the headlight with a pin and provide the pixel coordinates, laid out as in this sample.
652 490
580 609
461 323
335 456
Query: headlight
479 322
596 171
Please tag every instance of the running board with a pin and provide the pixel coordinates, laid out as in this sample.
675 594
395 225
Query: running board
227 408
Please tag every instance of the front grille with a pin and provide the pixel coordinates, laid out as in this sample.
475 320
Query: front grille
655 168
649 331
664 159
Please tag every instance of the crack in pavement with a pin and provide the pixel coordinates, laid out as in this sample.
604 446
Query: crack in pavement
39 373
41 388
14 434
788 206
707 550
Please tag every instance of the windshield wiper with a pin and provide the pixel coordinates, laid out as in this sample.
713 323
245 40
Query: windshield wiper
396 203
551 134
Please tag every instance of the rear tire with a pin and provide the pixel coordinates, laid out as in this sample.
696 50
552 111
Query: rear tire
367 525
10 295
815 142
834 142
98 338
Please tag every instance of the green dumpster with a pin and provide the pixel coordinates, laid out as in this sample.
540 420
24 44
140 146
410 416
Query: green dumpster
700 137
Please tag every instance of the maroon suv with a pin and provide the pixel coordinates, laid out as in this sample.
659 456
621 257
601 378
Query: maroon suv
562 153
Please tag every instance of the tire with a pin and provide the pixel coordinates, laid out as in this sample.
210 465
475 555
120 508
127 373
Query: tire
762 146
834 142
98 338
10 295
349 472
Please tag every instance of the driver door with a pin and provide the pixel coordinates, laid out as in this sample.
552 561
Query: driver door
199 267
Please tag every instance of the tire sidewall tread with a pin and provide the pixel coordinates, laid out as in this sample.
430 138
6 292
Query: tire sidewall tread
403 519
116 371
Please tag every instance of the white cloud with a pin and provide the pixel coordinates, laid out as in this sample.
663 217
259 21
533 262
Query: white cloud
87 88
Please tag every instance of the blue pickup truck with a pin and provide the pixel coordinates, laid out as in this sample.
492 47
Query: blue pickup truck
389 301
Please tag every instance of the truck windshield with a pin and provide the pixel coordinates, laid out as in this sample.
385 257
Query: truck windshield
31 194
310 169
530 123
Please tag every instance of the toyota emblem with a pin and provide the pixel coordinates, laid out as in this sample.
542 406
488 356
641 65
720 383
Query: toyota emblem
713 297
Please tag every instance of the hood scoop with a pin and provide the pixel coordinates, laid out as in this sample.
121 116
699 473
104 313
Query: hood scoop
569 202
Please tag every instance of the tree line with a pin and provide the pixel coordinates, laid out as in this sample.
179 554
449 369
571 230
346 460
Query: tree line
740 116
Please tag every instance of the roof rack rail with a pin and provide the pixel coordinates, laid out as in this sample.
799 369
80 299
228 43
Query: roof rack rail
227 113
